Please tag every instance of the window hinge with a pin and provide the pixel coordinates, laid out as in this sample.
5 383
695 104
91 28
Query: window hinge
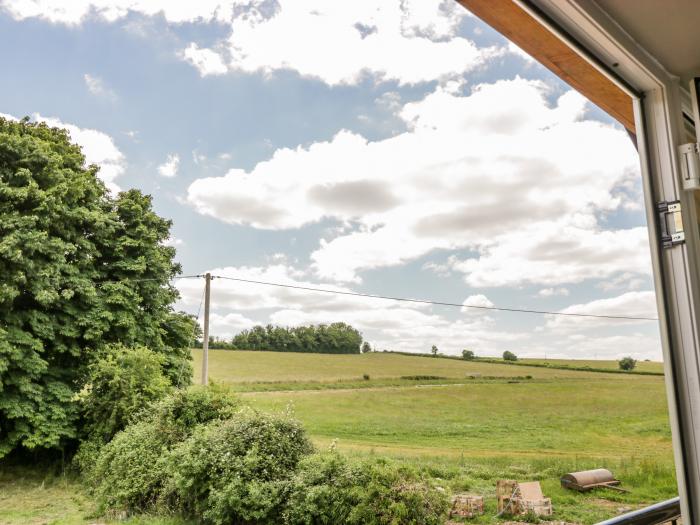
689 157
677 236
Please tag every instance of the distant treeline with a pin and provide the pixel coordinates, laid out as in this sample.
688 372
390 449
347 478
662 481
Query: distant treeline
334 338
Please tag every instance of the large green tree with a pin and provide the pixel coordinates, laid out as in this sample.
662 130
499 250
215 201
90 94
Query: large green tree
79 269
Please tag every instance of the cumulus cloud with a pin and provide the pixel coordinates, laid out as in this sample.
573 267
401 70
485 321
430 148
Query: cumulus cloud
631 304
250 296
516 50
478 301
170 166
387 323
502 172
551 292
206 61
334 41
555 253
97 87
98 148
77 11
411 327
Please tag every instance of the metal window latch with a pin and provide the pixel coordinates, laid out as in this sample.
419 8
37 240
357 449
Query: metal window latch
689 157
677 236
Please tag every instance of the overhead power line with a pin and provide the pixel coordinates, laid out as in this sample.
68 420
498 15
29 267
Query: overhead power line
436 303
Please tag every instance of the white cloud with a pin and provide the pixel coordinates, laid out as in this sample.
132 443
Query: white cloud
631 304
174 242
76 11
335 41
227 325
389 324
97 87
170 166
206 61
410 41
478 300
98 148
250 296
414 327
500 172
551 292
557 252
515 50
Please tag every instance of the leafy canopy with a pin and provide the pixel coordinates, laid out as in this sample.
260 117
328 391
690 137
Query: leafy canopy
334 338
79 269
509 356
121 384
627 363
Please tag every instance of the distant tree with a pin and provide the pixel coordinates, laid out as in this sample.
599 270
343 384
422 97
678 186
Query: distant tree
468 355
366 348
334 338
627 363
434 351
509 356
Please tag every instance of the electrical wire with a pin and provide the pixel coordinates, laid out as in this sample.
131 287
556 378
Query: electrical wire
402 299
112 281
436 303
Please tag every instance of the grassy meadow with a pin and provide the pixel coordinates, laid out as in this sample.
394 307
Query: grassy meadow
464 424
469 423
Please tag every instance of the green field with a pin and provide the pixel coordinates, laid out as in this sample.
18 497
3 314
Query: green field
475 422
464 424
240 367
642 366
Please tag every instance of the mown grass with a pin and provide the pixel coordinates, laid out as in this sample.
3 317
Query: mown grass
469 425
41 496
479 424
642 366
238 366
601 418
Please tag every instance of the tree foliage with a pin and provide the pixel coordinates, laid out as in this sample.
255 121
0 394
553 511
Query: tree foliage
334 338
509 356
627 363
79 269
121 383
468 355
434 350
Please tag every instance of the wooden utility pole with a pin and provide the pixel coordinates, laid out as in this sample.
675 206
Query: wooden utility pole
205 341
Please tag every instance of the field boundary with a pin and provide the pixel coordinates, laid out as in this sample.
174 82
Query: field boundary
534 365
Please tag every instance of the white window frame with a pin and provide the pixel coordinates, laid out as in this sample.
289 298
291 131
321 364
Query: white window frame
658 101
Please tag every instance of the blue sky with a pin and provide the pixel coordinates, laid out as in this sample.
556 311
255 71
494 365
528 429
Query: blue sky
404 149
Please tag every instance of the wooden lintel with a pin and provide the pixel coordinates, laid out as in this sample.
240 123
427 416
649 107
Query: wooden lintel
518 26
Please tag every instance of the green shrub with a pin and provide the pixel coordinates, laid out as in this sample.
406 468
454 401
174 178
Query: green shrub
509 356
122 382
627 363
236 471
129 472
329 489
179 413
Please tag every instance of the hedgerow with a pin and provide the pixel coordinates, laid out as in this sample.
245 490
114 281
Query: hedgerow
130 472
198 454
235 471
329 489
